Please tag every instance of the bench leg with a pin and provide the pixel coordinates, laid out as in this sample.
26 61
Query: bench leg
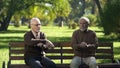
3 64
8 64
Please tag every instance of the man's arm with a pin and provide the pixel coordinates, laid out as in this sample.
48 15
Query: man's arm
48 44
94 43
28 41
75 44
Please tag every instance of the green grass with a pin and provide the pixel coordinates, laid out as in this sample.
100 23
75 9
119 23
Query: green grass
53 33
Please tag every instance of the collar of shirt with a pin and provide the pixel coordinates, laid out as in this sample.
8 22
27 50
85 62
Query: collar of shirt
84 30
36 35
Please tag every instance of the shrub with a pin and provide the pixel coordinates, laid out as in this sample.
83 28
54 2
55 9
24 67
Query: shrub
17 24
93 19
72 24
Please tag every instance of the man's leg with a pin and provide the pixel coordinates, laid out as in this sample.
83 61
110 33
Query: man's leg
33 63
91 61
48 63
76 62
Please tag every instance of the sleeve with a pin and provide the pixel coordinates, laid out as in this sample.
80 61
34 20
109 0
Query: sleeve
28 41
74 43
49 44
43 36
94 43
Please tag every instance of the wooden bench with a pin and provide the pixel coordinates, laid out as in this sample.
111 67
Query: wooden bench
62 55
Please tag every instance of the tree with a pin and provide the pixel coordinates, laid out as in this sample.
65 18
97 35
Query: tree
9 7
62 10
111 17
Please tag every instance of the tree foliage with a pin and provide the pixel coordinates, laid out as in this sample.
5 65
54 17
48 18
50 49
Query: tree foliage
111 17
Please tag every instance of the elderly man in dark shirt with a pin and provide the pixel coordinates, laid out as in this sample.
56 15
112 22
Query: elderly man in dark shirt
84 44
35 44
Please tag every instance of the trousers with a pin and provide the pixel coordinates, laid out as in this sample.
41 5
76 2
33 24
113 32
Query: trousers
38 62
77 61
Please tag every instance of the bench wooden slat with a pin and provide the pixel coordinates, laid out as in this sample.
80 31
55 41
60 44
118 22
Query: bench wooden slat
22 51
51 57
17 51
104 57
66 44
67 51
106 44
108 51
53 51
21 44
16 57
25 66
58 57
104 51
19 66
54 57
64 57
107 65
16 44
71 51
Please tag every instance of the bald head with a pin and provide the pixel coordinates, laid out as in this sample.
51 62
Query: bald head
35 19
35 24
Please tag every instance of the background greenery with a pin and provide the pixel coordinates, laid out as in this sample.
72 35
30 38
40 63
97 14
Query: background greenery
53 33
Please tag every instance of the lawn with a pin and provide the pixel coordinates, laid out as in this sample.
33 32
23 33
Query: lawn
53 33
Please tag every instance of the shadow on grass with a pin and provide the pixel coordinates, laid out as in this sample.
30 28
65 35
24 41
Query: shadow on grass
116 49
3 47
11 38
59 39
13 31
107 40
4 41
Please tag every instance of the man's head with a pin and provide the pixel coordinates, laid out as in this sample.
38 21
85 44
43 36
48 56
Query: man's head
84 23
35 24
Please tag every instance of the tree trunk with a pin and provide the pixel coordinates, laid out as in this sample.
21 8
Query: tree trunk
3 27
93 7
5 22
99 7
6 19
61 22
101 15
83 9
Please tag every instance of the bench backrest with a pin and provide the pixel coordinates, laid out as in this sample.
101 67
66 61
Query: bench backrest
61 54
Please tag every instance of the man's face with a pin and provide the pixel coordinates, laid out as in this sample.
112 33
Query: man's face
83 25
35 26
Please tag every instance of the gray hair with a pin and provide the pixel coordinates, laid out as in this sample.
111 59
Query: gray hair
86 19
35 18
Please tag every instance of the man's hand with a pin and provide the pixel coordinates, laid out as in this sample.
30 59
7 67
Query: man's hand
88 45
49 44
83 44
40 44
